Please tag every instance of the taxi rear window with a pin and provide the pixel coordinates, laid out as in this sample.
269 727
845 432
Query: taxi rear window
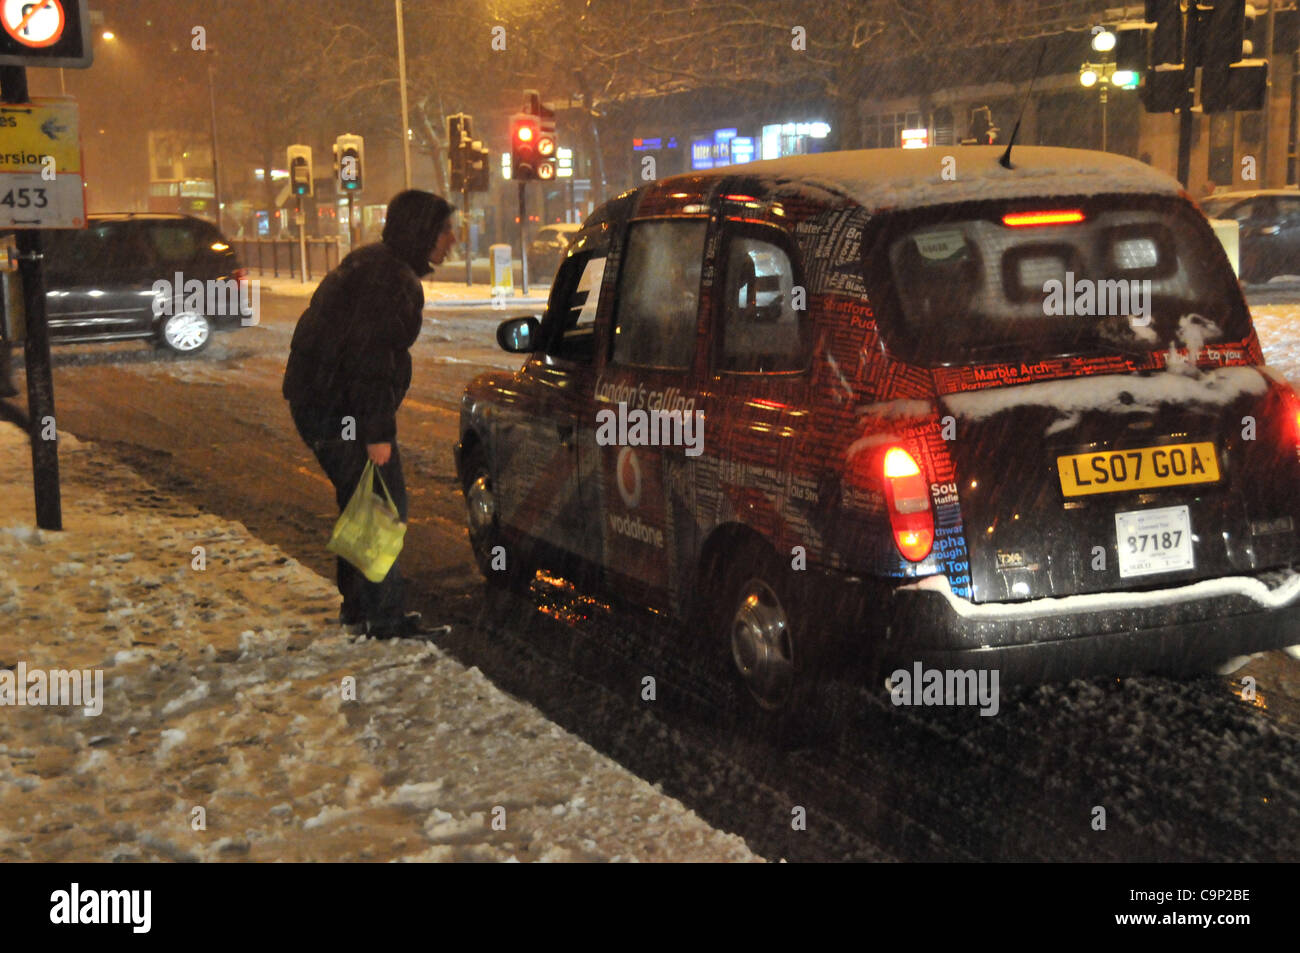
996 281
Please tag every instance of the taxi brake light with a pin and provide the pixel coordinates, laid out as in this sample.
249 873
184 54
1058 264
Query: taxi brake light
910 515
1053 217
899 463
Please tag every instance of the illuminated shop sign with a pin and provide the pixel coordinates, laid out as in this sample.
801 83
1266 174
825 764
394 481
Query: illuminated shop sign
644 144
792 138
915 138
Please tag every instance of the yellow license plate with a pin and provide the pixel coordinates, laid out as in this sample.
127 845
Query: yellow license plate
1141 468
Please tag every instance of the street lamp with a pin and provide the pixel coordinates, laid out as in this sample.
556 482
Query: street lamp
212 106
1104 75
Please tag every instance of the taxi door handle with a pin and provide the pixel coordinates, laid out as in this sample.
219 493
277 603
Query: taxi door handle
566 434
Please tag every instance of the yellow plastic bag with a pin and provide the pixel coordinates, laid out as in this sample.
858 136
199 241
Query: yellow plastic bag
369 533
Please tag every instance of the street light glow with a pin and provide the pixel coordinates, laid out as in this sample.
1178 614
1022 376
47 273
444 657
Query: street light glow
108 35
1104 41
1088 78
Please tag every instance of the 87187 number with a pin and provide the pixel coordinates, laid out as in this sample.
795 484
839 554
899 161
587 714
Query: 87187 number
1154 542
25 198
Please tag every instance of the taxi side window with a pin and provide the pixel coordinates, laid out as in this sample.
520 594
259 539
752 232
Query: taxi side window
569 329
759 329
658 302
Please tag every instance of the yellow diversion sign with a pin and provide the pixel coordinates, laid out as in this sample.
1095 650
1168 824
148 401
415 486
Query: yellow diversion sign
40 165
1140 468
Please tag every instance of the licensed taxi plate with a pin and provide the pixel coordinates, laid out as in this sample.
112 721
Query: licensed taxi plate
1151 541
1140 468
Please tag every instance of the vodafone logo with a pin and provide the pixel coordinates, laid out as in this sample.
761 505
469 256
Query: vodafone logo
627 473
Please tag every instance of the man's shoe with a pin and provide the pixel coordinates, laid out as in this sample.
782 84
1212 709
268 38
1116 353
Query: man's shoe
351 624
397 627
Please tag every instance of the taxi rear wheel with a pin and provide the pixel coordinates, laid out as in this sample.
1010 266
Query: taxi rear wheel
761 623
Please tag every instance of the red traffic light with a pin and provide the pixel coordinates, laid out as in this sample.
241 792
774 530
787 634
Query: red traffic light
523 146
525 131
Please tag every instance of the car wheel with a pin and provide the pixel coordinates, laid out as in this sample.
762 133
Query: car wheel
761 622
186 332
485 534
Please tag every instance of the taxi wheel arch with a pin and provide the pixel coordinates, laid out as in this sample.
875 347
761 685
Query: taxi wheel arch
758 616
482 519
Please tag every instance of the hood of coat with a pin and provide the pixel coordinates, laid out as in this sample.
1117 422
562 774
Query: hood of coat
414 221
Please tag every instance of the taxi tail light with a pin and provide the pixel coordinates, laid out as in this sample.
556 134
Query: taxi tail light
1287 414
1036 219
908 499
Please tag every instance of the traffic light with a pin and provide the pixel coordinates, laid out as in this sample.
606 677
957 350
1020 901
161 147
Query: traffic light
1226 83
300 175
457 179
45 34
459 131
525 131
1131 53
1167 37
1225 34
349 157
1166 90
476 167
546 145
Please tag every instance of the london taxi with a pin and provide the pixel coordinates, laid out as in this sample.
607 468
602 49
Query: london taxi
953 412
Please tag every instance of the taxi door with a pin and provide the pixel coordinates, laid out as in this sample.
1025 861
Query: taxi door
537 433
649 426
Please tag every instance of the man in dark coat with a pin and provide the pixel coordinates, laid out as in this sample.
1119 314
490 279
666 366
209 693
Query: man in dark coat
349 368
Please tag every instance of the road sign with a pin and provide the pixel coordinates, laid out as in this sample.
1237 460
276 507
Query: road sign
40 166
30 201
31 131
44 33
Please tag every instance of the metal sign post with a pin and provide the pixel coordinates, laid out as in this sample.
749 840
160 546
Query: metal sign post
301 217
464 228
523 249
42 429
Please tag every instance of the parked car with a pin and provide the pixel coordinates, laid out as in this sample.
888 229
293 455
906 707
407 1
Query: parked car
548 248
953 414
1269 230
101 281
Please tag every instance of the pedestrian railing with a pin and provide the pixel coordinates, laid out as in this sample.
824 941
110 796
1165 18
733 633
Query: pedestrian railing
282 256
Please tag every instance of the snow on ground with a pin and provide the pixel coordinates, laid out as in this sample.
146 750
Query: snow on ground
223 690
1279 335
435 292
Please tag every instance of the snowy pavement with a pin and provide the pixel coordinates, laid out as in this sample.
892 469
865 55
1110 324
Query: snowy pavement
238 723
437 294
